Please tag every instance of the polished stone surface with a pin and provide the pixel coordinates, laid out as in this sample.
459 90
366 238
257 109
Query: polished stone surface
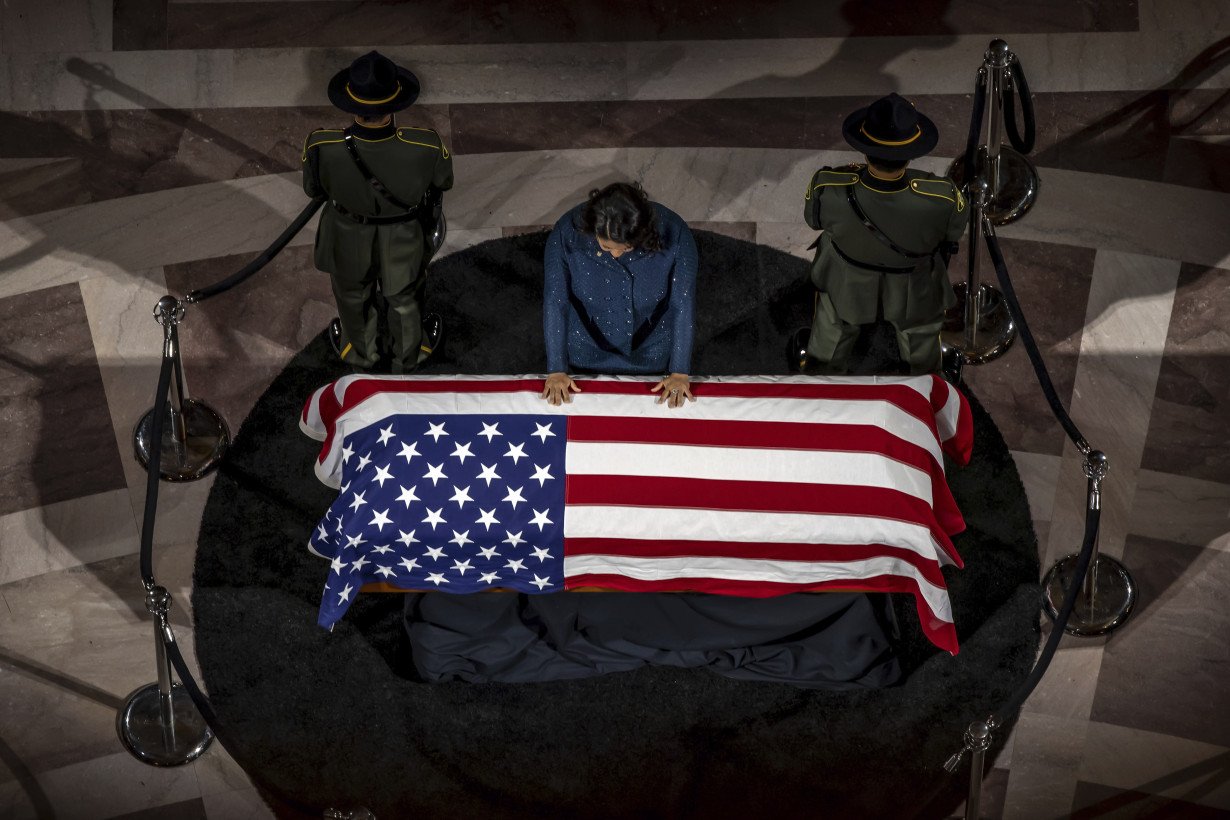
150 146
57 429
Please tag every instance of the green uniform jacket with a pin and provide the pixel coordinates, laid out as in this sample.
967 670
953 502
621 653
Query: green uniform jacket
917 212
407 160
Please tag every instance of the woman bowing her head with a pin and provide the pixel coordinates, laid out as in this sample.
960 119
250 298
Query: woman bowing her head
619 294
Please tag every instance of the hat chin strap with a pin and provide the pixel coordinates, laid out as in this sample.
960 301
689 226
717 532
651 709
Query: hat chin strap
362 101
862 129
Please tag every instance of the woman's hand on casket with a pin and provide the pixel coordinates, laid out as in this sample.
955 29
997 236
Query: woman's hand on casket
559 389
675 388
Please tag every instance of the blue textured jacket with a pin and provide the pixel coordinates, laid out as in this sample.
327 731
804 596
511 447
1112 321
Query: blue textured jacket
619 295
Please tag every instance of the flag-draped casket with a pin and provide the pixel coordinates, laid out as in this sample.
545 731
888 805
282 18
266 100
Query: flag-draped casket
763 486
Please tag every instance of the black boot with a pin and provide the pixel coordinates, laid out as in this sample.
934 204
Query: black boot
335 335
797 360
433 336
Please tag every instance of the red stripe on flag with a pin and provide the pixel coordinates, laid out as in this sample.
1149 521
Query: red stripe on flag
758 551
940 632
755 496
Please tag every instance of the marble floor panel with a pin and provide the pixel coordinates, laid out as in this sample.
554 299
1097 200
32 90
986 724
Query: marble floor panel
52 403
149 146
676 70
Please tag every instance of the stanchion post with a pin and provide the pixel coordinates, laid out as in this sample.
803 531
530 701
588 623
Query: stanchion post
1108 595
158 723
980 328
1013 179
977 741
196 437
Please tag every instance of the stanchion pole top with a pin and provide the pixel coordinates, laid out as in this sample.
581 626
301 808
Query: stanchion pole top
998 55
158 601
169 311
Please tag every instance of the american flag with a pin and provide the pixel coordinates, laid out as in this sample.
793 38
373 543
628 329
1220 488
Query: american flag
763 486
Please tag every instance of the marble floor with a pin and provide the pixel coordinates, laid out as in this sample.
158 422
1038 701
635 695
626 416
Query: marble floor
152 146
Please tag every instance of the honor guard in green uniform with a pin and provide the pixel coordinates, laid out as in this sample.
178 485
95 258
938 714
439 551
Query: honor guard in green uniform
383 185
887 233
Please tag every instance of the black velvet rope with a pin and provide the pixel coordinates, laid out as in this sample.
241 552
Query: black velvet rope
259 262
1031 346
975 128
1093 517
154 469
1023 144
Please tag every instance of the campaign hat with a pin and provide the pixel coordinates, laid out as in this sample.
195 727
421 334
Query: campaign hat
890 128
373 86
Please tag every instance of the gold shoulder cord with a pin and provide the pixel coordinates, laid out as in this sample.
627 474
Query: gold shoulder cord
309 145
440 147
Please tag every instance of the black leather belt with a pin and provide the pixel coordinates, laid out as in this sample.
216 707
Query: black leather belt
868 266
362 219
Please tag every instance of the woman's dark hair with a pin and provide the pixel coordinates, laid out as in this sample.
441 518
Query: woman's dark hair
621 213
888 164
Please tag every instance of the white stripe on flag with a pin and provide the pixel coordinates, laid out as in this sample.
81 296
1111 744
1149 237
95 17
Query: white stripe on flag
439 406
666 524
746 464
756 569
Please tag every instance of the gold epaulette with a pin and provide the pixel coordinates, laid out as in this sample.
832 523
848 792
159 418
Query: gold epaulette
825 177
940 188
320 136
424 137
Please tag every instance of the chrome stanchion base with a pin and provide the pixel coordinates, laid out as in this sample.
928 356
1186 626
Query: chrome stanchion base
1018 184
1112 602
207 441
993 334
139 725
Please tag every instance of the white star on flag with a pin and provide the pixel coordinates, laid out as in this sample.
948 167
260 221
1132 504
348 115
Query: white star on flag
409 451
514 538
543 431
516 452
540 518
323 533
488 473
436 431
387 572
364 460
344 595
409 563
461 496
338 565
358 502
435 472
542 474
354 540
380 519
487 518
437 578
346 453
514 496
490 431
434 553
460 538
386 433
434 518
355 566
488 577
488 552
383 474
407 495
407 538
382 549
462 452
540 582
541 554
515 566
462 566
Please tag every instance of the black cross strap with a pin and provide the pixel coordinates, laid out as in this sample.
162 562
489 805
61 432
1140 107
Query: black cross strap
875 229
371 178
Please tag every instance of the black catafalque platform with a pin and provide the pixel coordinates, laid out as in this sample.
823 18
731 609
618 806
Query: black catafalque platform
337 719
